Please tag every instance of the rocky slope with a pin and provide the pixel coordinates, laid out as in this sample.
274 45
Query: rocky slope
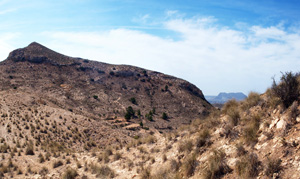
102 91
58 111
48 133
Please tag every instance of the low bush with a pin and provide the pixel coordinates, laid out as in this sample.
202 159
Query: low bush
273 166
234 116
287 89
253 99
229 105
189 166
102 171
174 165
185 146
248 166
70 174
57 163
216 166
29 150
203 138
251 129
164 116
294 111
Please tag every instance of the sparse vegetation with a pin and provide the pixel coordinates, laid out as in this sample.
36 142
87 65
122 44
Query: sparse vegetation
59 127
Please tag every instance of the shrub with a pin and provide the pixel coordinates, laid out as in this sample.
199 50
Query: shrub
108 152
133 101
217 166
240 150
29 150
165 116
44 171
234 116
202 138
117 156
146 174
253 99
273 101
248 166
41 158
294 110
174 165
250 130
3 148
189 166
273 166
150 139
185 146
231 104
129 113
57 163
70 174
102 171
95 97
212 120
288 88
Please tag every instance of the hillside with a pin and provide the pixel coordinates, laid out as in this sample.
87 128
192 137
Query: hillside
51 127
99 90
54 107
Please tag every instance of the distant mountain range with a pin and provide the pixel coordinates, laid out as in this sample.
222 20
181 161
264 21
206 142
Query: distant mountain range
224 97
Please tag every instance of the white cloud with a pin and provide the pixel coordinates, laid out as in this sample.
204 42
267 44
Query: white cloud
214 57
6 45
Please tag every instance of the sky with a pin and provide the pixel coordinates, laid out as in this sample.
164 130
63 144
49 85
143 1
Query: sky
218 45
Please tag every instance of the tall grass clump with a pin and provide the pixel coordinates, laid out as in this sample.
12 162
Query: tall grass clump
102 171
189 166
70 174
231 108
216 166
273 166
253 99
248 166
251 129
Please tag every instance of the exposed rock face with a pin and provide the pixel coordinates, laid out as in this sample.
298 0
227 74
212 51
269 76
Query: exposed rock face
37 53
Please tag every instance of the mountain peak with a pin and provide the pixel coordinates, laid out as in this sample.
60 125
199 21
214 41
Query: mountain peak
35 45
37 53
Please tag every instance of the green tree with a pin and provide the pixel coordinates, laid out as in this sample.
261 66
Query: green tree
129 113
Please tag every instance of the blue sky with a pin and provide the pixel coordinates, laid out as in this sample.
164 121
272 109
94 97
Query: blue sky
221 46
